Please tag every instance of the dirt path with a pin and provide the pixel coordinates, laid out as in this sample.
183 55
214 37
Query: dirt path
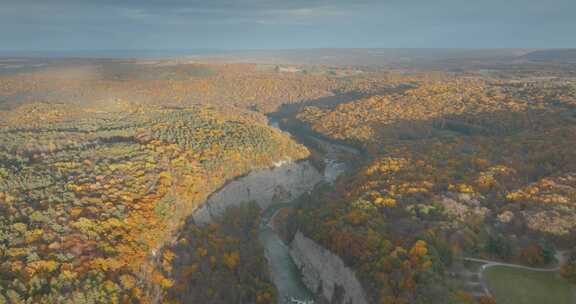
493 263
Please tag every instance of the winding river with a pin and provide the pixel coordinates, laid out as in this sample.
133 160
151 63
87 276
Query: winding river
285 275
273 189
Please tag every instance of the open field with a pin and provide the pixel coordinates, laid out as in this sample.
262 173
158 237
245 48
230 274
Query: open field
519 286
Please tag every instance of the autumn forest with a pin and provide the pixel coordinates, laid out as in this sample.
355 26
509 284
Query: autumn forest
447 182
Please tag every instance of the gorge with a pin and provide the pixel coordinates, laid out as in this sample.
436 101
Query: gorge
301 269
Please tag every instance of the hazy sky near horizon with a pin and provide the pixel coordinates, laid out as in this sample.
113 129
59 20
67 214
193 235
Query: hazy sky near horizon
277 24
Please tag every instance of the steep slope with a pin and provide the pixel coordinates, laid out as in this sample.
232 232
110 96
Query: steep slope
89 198
457 167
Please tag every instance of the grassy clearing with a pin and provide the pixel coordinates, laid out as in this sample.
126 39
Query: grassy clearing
519 286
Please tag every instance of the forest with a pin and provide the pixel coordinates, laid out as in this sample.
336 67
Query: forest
102 164
90 199
455 167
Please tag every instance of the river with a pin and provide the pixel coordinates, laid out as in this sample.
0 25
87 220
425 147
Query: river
285 275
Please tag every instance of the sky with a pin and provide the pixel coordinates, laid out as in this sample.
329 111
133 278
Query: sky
285 24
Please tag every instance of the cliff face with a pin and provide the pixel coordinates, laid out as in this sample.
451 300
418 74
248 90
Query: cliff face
282 183
324 271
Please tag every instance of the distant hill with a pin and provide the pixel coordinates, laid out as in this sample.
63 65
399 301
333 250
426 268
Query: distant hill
558 55
112 53
370 57
406 57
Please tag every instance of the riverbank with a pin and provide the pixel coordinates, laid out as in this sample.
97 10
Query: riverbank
279 187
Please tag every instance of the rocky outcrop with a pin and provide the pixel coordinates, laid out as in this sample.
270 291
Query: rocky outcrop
285 182
324 272
463 206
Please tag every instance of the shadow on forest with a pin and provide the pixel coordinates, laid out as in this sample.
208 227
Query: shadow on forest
473 129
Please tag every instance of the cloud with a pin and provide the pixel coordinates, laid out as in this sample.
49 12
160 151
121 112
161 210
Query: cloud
180 12
285 23
217 12
312 12
134 13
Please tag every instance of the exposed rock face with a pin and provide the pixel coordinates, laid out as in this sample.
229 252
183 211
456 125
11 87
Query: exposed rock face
462 206
323 271
283 183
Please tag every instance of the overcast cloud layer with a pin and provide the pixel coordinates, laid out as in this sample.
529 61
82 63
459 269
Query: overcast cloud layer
255 24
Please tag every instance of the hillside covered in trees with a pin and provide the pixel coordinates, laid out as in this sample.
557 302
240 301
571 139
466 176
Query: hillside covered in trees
89 198
454 167
103 162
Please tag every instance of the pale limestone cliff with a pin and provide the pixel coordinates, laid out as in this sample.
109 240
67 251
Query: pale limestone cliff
323 272
282 183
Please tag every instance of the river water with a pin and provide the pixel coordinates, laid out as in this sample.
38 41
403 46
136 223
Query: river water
285 275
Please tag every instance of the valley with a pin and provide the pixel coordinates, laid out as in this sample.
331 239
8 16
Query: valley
151 181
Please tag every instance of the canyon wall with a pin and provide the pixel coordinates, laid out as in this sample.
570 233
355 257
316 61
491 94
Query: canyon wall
323 272
282 183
